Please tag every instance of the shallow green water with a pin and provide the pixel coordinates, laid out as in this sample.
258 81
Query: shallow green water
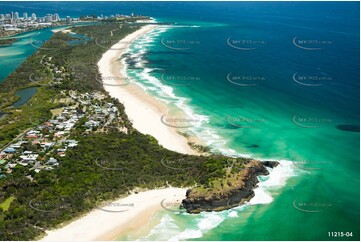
271 117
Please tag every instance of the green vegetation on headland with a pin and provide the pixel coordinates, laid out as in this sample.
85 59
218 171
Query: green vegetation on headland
228 191
106 162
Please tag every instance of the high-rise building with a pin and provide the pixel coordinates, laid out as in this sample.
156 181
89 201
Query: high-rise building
56 17
25 16
2 16
68 20
33 16
40 19
48 18
16 15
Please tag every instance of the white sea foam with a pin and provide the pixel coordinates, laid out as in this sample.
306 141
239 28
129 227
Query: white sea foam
166 93
204 221
260 197
209 221
232 214
164 230
275 179
279 175
187 234
200 128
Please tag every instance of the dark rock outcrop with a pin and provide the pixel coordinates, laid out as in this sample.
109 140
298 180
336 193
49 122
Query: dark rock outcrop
270 164
233 196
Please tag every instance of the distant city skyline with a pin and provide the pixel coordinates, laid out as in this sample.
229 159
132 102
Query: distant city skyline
14 17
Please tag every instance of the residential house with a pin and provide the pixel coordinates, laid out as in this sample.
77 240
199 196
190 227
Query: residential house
10 151
52 162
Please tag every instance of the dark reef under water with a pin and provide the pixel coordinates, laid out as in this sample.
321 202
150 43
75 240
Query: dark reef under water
349 127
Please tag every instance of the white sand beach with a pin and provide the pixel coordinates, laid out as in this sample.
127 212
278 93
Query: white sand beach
117 217
144 110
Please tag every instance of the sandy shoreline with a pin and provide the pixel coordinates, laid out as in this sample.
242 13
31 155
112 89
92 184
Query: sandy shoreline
145 111
117 217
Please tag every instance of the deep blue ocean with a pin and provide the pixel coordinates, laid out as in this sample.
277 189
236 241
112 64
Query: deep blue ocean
270 80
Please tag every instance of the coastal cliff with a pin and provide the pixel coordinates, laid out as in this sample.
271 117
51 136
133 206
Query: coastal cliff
234 190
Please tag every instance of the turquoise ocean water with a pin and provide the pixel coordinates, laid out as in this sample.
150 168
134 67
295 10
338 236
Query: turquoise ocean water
272 88
273 81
